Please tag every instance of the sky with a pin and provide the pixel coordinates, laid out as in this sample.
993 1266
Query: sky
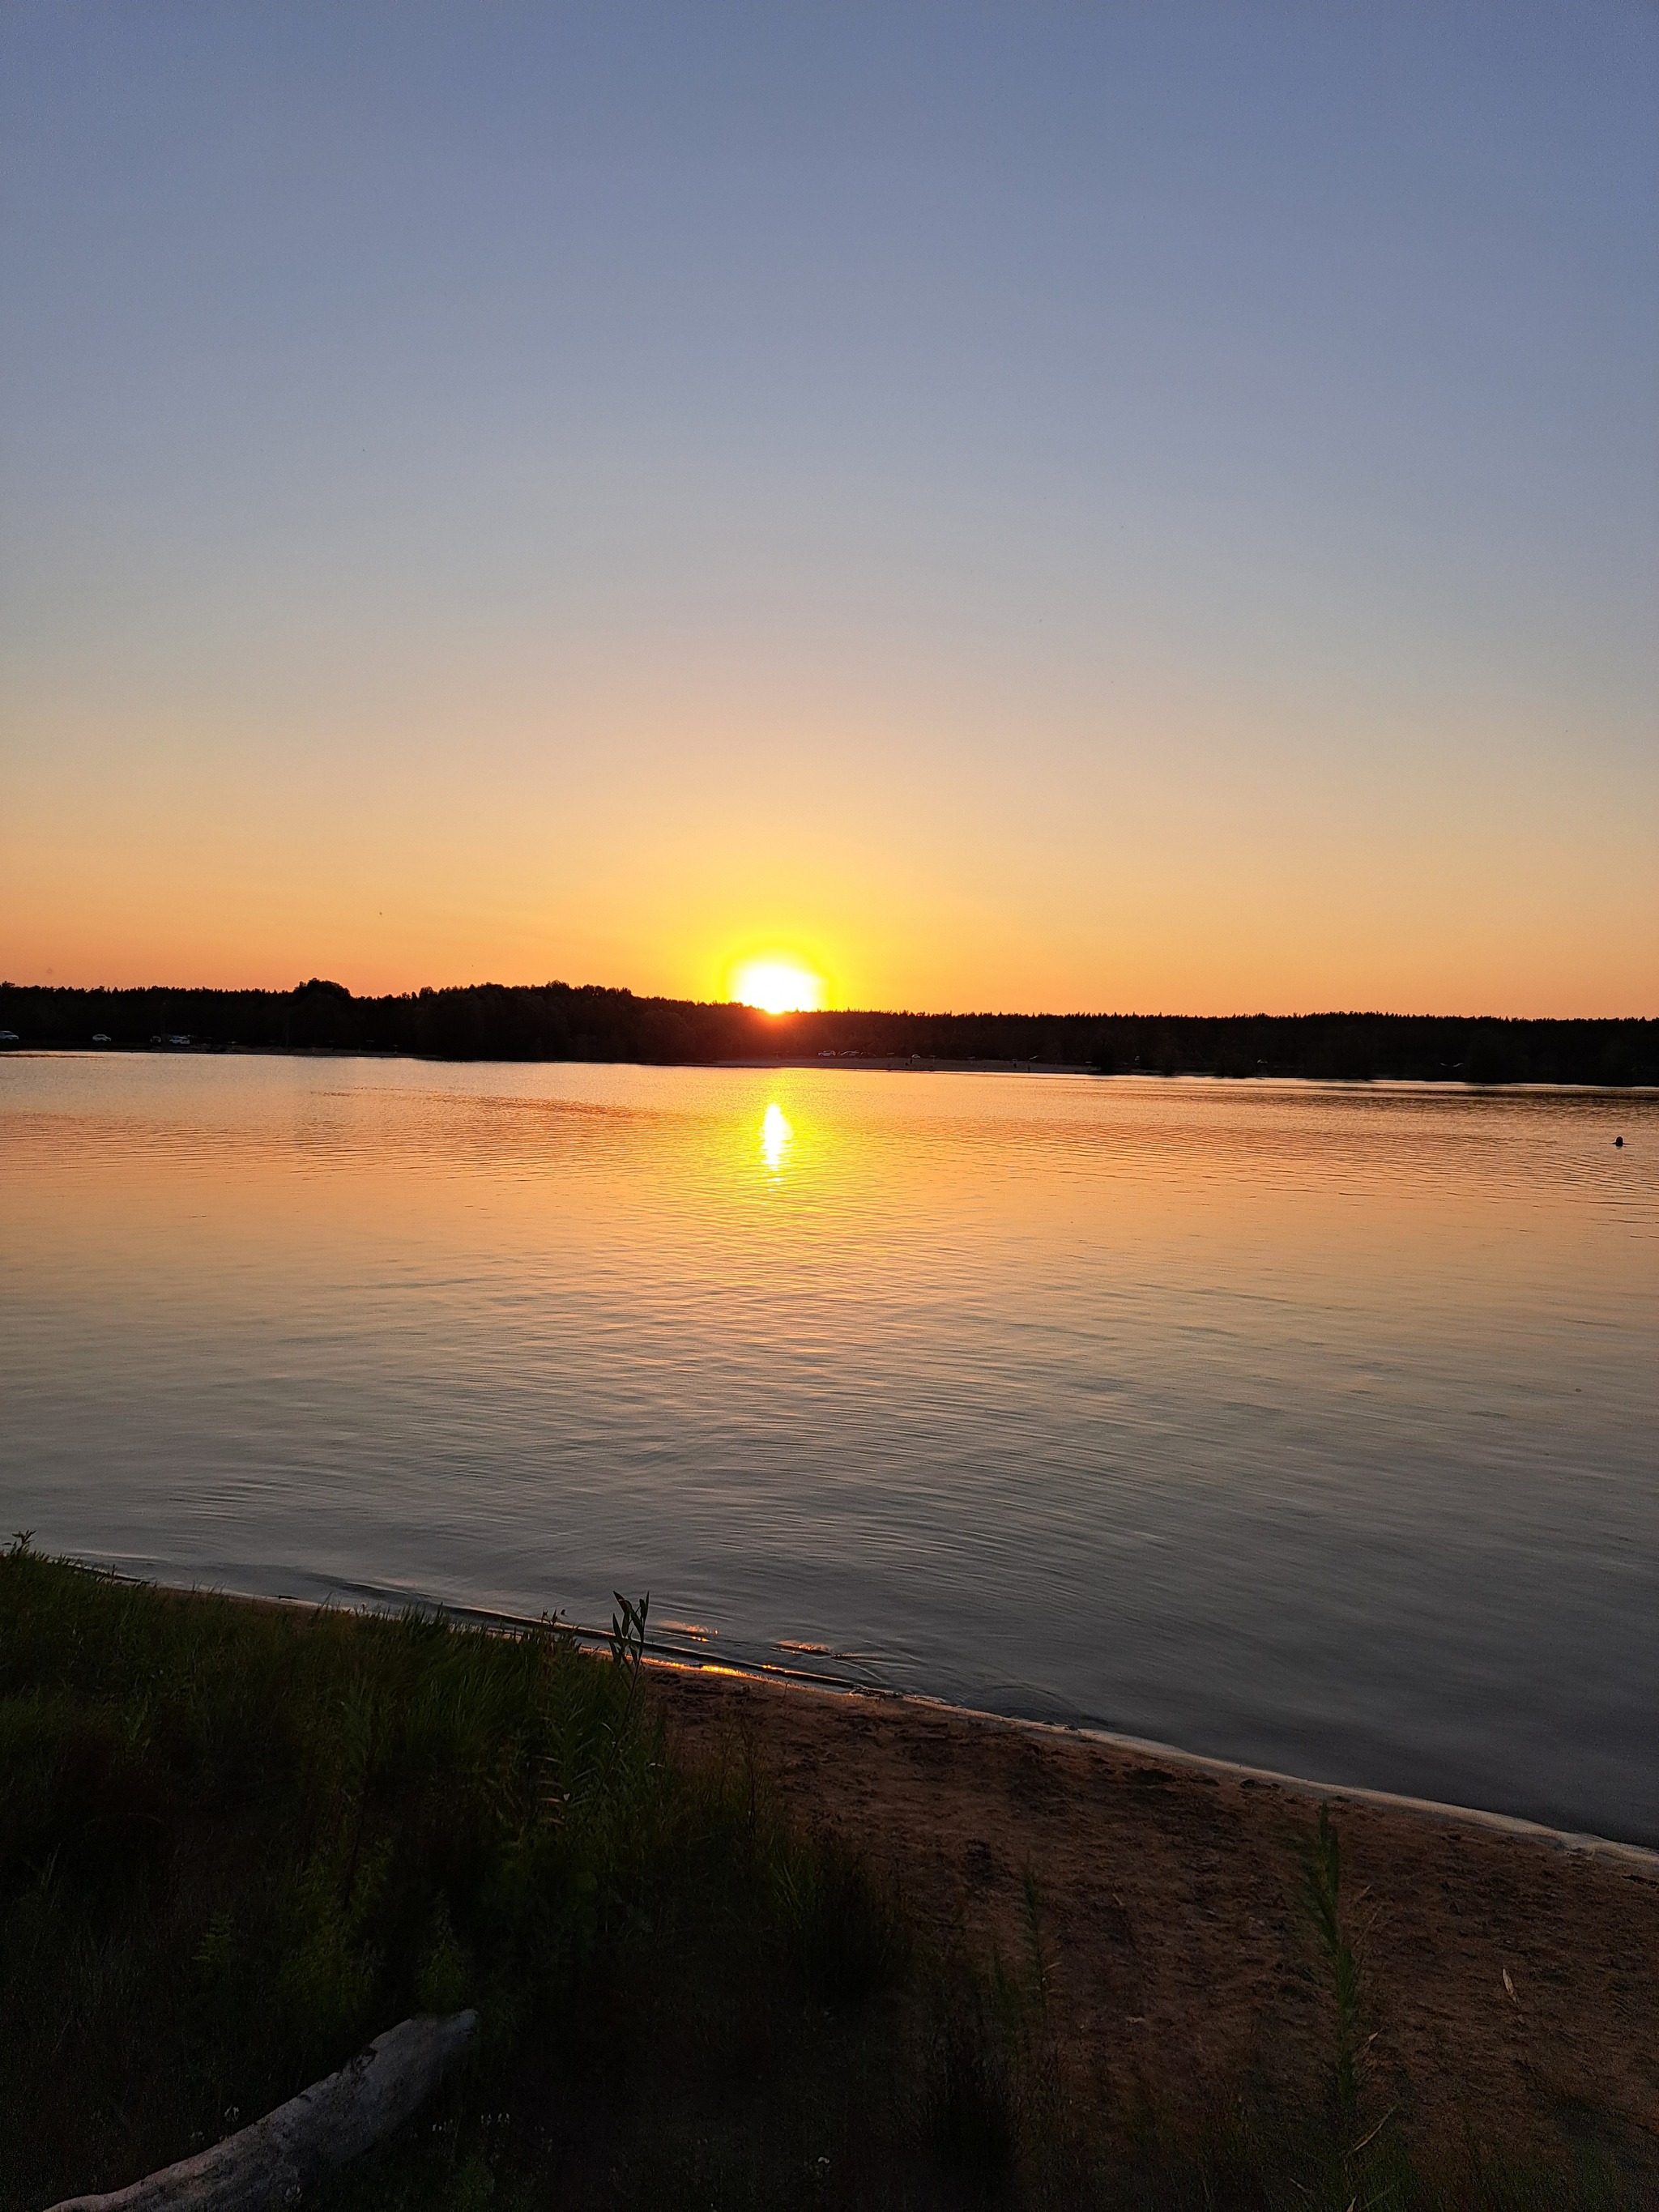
1139 507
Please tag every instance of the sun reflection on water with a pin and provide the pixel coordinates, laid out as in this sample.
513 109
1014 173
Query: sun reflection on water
775 1135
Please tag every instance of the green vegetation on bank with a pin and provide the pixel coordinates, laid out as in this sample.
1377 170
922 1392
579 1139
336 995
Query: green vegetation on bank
555 1021
238 1841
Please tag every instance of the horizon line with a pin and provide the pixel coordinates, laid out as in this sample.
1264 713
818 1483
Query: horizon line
813 1013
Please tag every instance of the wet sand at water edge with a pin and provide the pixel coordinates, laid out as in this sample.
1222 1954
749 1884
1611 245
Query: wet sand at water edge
1511 1984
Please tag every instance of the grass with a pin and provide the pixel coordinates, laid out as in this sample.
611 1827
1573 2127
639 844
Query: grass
238 1841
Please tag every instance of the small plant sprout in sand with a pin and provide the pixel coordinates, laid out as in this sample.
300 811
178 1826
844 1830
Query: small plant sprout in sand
1322 1896
628 1638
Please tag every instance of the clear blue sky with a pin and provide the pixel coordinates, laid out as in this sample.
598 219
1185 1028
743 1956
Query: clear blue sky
1029 506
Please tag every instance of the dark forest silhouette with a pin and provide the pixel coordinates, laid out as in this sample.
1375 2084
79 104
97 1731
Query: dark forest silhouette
561 1021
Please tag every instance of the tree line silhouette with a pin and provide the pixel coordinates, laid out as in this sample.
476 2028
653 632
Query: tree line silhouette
561 1021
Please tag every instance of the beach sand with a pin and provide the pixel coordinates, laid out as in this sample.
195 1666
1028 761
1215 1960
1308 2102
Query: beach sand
1182 1958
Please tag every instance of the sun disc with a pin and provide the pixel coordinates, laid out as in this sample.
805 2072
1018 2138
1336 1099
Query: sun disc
778 987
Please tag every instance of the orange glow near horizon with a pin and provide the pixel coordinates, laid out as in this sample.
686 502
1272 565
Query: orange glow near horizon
1004 907
429 566
779 985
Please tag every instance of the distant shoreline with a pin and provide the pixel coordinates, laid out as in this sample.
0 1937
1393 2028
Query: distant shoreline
844 1063
557 1021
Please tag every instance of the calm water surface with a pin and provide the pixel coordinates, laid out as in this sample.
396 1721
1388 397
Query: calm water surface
1309 1427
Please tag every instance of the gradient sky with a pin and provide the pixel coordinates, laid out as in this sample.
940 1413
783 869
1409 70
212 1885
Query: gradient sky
1028 505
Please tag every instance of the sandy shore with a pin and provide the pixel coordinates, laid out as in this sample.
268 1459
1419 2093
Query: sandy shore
1509 1973
1182 1958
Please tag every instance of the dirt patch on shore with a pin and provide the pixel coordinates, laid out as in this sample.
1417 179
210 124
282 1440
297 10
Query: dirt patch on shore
1512 1987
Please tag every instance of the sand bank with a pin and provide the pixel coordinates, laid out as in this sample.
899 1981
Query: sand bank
1510 1974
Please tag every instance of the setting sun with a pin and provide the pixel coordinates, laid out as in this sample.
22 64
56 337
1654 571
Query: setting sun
778 986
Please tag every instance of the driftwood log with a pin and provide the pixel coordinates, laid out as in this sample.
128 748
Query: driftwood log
277 2160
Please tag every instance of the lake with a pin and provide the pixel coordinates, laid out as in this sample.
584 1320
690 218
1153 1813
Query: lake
1312 1426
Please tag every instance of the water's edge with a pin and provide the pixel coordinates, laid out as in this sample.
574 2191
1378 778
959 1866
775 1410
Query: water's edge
802 1681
